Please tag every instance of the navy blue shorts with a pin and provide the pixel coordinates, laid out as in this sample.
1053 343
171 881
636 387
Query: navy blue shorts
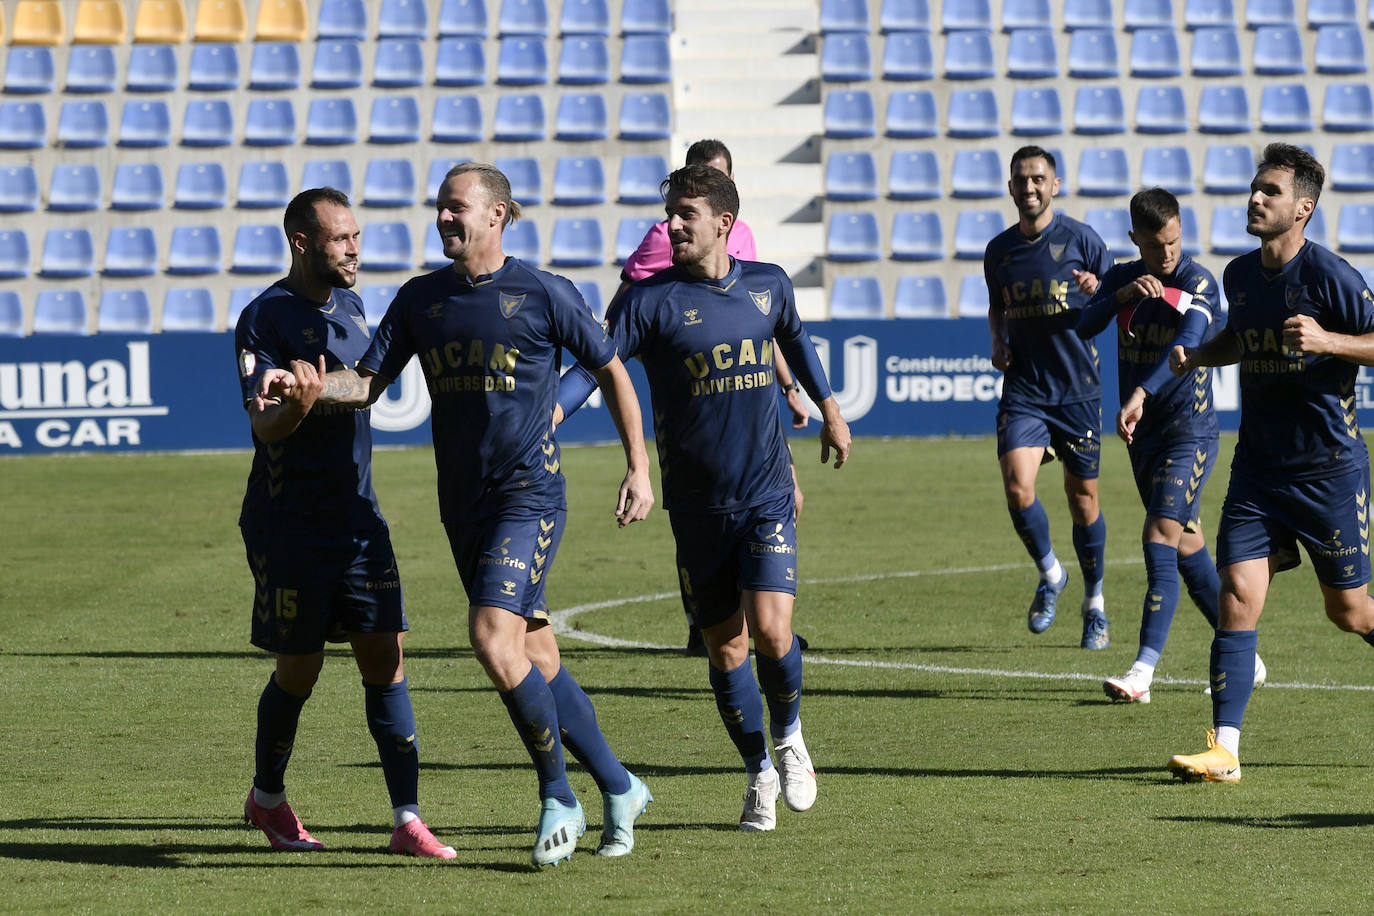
1329 517
1074 431
720 554
313 586
1170 476
503 559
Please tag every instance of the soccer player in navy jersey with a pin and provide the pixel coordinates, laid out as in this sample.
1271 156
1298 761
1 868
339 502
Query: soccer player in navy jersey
317 544
1169 425
1301 322
704 330
489 332
1040 273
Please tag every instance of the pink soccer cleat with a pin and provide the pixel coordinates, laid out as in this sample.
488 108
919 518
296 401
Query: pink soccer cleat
414 838
283 828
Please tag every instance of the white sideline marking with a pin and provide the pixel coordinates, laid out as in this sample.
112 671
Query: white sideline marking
563 626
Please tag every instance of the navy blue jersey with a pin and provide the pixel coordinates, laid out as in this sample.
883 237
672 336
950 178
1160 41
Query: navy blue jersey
707 349
490 350
324 468
1297 413
1147 330
1031 282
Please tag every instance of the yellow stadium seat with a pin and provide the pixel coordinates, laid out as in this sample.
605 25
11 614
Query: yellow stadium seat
283 20
39 22
100 22
221 20
2 23
160 22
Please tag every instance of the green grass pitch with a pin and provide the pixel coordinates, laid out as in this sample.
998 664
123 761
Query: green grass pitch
965 765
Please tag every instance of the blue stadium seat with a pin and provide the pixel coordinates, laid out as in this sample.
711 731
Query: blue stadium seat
523 17
262 185
1316 228
438 170
845 58
1278 51
519 118
275 65
1352 167
1216 52
432 255
403 19
639 179
1227 169
1260 13
956 15
270 122
74 188
590 291
844 16
1092 55
259 250
1088 14
1340 50
584 61
1026 14
579 180
1167 167
137 186
645 116
1285 108
1161 110
522 62
11 314
343 19
1061 164
851 176
145 123
463 18
1201 14
526 179
152 68
338 65
83 124
208 122
188 308
849 114
1223 110
18 189
973 230
646 17
239 298
977 173
30 69
14 254
972 113
581 116
1355 230
59 311
856 298
130 251
969 56
646 59
92 68
194 250
377 297
521 240
917 236
629 232
1099 110
68 253
1031 55
200 186
400 63
1155 54
386 246
908 56
1322 13
394 119
1036 112
1228 235
904 16
23 125
327 173
389 183
576 243
1103 172
1113 224
460 62
1191 238
973 296
213 68
1147 14
457 119
913 175
584 17
1346 107
853 237
124 311
920 297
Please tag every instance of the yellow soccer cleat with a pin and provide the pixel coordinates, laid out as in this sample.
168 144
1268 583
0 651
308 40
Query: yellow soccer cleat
1216 764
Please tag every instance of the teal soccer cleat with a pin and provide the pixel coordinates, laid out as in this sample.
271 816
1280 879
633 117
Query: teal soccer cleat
559 828
1044 604
619 815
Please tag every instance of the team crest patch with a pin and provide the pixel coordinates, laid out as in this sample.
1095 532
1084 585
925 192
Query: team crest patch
247 363
1057 252
762 301
511 304
361 323
1293 296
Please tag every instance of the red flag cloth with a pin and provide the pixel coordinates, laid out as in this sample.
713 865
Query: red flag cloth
1177 299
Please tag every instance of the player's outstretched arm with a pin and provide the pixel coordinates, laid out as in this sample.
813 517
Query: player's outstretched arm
834 433
1222 350
791 389
1130 414
1302 335
636 496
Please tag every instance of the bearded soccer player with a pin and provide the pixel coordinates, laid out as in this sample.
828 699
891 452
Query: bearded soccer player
489 332
1301 323
1040 273
704 330
317 544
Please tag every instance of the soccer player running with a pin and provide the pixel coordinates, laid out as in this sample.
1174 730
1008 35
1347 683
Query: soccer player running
489 333
704 330
1169 424
1040 273
1301 323
317 544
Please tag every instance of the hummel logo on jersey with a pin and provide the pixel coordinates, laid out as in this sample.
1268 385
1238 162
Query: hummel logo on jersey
691 317
511 304
1057 252
762 301
435 311
508 588
776 535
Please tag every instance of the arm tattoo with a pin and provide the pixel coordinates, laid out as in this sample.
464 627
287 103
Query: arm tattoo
344 386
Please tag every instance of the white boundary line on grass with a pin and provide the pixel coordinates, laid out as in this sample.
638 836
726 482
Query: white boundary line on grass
563 626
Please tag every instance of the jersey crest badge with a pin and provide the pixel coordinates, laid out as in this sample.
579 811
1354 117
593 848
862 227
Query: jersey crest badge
1057 252
1293 296
247 363
362 324
762 301
511 304
309 336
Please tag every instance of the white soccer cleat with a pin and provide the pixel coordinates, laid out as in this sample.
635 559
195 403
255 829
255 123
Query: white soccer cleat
1131 687
760 801
1261 673
798 774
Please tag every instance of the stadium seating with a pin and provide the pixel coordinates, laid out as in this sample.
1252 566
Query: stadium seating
262 185
1340 50
457 119
581 116
1332 12
1355 229
1031 54
972 113
523 17
1278 51
92 68
1216 52
912 115
130 251
904 16
969 56
100 22
1346 107
200 186
590 291
59 311
521 240
220 20
1161 110
260 250
37 22
11 314
1352 167
584 17
1036 112
1113 224
1147 14
161 22
438 170
522 62
1227 169
348 19
1099 110
145 124
275 65
917 236
1092 54
639 179
958 15
1228 235
1223 110
850 114
23 125
856 297
519 118
1103 172
920 297
844 16
576 242
851 176
973 296
525 177
645 59
208 123
282 21
1088 14
270 122
977 173
645 116
908 56
1167 167
403 19
338 65
1260 13
376 300
973 229
1285 108
846 58
629 232
74 188
83 124
432 255
18 189
386 246
584 60
853 236
1155 54
137 186
194 250
15 257
1316 228
30 71
67 253
1200 14
1026 14
577 181
394 119
213 68
389 183
327 173
646 17
1190 237
188 308
239 298
152 68
913 175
